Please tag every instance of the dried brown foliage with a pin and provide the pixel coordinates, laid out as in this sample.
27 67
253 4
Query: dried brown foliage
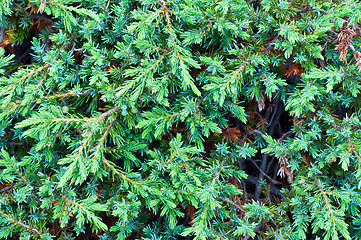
294 69
343 40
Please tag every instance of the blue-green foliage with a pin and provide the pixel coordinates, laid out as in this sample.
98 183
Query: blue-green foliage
113 114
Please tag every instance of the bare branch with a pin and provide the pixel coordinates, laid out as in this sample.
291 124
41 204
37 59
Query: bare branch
20 223
61 95
232 203
263 173
257 132
2 34
43 18
7 188
107 113
29 228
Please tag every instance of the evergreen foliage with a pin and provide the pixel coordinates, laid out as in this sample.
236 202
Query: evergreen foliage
180 119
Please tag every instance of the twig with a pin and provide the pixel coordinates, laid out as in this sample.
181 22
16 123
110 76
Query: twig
2 34
73 49
324 195
24 55
29 228
306 9
257 132
66 95
101 117
14 143
260 176
61 95
285 135
270 164
262 172
274 190
107 113
33 72
232 203
102 139
121 175
352 48
166 11
275 111
270 44
40 17
111 167
276 120
245 194
7 188
23 224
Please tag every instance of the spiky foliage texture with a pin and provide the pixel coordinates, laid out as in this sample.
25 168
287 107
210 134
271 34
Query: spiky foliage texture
163 119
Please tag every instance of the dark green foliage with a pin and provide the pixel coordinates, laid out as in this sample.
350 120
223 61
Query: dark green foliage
180 119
